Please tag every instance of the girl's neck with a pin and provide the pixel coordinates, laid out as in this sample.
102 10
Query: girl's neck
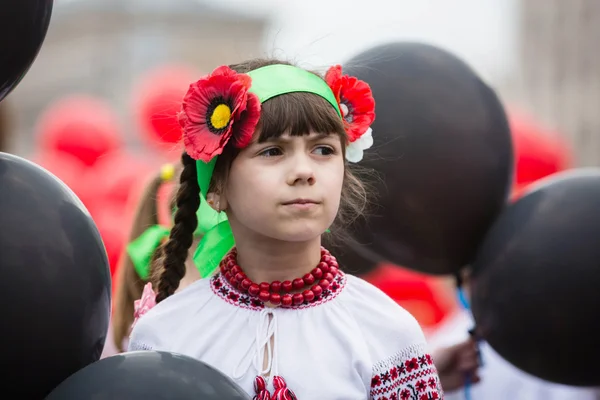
266 261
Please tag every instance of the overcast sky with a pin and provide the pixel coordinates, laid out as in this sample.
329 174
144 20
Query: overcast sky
321 32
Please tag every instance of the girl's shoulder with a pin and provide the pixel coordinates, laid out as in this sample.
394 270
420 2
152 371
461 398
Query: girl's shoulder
153 327
380 317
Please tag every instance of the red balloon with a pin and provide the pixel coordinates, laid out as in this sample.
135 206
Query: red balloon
80 125
157 101
424 296
539 152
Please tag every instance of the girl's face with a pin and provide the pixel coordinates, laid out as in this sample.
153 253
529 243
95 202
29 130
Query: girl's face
286 189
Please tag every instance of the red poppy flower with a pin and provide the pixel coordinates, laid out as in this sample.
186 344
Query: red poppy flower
355 99
215 109
248 120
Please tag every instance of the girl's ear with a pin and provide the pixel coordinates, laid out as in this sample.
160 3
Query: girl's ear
216 201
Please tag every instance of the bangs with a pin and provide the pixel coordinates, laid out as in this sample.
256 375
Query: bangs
298 114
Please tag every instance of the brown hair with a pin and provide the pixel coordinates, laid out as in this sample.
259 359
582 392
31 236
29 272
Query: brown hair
129 284
295 113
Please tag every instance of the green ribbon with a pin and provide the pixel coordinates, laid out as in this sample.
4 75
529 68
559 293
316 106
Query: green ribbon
142 249
267 82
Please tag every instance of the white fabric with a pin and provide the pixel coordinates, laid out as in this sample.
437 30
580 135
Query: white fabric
331 350
500 380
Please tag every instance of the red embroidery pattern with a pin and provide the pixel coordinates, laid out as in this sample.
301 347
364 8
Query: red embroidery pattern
224 290
409 375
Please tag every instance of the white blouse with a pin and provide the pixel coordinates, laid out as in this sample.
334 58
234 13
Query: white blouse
354 343
500 380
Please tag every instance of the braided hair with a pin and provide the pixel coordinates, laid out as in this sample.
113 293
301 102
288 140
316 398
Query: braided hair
170 266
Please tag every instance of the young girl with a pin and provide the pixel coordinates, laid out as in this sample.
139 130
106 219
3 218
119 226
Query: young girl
265 142
134 267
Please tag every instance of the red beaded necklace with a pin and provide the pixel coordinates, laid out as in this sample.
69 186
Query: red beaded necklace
279 293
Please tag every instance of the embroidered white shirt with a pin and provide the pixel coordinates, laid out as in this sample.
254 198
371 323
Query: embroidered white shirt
355 343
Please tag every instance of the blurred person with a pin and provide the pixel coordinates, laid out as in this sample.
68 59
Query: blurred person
5 127
133 271
496 379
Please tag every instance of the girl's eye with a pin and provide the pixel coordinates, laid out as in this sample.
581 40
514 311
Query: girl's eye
271 152
324 150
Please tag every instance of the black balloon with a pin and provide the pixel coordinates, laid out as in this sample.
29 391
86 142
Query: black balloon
536 281
443 150
144 375
23 27
55 287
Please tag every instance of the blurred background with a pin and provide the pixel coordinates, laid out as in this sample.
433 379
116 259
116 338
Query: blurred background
526 49
112 73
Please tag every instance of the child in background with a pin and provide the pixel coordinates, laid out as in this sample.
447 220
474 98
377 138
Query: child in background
147 234
496 379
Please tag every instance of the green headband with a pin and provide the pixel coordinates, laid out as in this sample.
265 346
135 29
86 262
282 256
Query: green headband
267 82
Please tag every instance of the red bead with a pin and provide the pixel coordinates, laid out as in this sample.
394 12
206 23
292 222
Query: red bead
245 284
263 395
276 286
308 295
286 300
228 276
298 299
324 266
275 298
317 273
259 384
324 252
264 296
253 290
317 290
308 279
298 283
279 383
327 259
264 286
324 283
334 263
329 277
287 286
240 276
236 270
334 271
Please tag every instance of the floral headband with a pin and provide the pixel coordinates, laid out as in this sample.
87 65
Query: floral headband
225 106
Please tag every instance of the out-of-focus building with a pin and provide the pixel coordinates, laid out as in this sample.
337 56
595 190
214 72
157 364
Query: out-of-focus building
101 46
559 73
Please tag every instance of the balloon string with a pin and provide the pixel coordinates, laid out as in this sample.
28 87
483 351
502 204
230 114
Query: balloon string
462 298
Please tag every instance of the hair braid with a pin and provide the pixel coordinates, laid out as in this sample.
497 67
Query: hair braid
175 250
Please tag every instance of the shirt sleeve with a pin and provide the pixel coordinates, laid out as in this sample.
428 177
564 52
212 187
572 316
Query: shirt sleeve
407 375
